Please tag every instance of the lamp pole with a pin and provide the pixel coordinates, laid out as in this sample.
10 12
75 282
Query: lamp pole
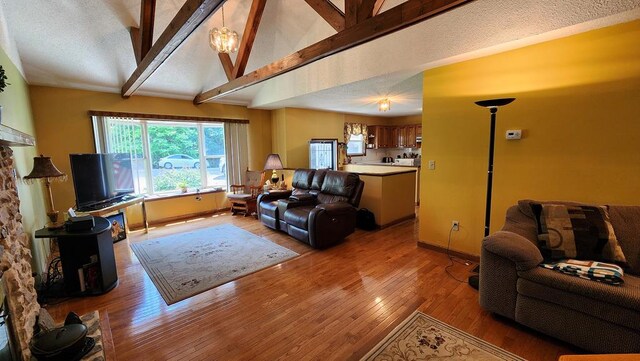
493 105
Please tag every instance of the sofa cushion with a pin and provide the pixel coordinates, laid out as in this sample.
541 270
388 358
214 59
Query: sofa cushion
318 179
578 232
302 179
604 310
626 223
626 295
298 217
340 183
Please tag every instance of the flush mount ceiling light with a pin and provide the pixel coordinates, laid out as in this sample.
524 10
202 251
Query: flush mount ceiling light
223 40
384 105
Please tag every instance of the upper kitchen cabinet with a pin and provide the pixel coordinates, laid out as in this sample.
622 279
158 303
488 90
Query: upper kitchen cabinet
384 136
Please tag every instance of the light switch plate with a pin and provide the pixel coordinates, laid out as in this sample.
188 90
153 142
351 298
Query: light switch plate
432 165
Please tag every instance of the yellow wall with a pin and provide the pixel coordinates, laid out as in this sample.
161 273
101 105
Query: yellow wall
578 102
259 138
405 120
64 127
292 128
16 113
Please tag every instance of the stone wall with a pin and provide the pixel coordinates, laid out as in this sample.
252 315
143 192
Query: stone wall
15 258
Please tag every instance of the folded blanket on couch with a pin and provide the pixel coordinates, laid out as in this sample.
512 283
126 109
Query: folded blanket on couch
590 270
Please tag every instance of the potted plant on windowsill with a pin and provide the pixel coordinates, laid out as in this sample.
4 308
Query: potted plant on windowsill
183 187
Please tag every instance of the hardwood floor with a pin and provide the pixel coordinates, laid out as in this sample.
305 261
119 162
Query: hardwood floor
334 304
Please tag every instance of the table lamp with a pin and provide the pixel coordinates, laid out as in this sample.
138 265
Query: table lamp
273 162
43 168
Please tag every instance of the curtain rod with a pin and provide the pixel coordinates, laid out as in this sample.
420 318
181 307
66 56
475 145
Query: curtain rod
100 113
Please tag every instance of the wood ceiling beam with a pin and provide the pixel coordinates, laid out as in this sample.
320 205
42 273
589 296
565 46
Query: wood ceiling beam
188 18
394 19
227 65
329 12
377 7
369 8
147 18
248 36
351 8
134 32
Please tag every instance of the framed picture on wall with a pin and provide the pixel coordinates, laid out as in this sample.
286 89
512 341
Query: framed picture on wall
118 229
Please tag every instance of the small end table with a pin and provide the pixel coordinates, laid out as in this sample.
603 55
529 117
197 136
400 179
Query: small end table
86 254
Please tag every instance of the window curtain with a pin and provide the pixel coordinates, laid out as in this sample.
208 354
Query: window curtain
355 128
237 151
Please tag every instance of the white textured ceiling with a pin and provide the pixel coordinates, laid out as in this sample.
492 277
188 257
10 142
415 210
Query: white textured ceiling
86 44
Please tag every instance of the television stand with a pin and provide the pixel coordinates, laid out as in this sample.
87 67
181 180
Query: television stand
112 207
87 252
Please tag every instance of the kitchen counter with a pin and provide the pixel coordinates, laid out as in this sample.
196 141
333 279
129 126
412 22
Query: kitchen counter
389 192
387 169
386 164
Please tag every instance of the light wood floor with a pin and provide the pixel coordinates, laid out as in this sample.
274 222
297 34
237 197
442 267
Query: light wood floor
334 304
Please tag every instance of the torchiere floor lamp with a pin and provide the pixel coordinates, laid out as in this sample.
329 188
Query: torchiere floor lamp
493 105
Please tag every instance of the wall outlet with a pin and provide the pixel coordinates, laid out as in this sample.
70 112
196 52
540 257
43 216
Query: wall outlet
455 225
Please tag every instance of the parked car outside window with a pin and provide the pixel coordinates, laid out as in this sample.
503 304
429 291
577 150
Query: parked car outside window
178 161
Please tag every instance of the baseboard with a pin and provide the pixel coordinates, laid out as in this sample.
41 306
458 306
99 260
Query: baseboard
399 220
137 226
433 247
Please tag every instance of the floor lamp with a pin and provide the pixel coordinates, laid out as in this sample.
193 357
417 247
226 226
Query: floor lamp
43 168
493 105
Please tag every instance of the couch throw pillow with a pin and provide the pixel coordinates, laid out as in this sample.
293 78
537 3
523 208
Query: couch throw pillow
578 232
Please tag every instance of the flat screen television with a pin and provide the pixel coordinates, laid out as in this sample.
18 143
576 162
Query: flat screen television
101 178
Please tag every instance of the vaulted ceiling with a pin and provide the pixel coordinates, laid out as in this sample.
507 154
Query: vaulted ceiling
86 44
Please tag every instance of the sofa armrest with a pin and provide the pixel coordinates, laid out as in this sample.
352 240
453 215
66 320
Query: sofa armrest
512 246
305 197
270 197
330 223
337 207
284 204
503 254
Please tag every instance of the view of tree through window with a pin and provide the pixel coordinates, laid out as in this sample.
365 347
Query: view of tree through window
171 156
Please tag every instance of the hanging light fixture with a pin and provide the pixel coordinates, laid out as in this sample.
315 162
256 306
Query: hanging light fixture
223 40
384 105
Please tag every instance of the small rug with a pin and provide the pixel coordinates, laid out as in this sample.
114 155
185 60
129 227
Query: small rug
185 264
92 321
421 337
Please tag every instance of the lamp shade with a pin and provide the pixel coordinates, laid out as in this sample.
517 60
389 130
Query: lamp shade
494 103
273 162
44 168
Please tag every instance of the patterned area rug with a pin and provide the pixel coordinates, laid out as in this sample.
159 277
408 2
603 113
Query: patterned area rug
421 337
92 321
186 264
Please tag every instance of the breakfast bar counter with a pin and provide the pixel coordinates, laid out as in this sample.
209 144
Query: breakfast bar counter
389 192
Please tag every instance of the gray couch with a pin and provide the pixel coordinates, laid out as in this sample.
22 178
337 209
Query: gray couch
597 317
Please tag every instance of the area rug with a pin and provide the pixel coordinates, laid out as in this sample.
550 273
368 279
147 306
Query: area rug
421 337
185 264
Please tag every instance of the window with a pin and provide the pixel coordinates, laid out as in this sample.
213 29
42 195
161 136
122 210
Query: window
167 155
355 145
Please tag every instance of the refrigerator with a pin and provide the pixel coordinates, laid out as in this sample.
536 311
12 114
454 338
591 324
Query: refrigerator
323 154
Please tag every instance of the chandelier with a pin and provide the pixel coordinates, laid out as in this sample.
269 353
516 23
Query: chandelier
384 105
223 40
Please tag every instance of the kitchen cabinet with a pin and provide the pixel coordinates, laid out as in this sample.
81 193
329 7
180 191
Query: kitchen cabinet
384 136
410 136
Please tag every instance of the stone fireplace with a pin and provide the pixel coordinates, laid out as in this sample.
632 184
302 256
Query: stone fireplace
15 253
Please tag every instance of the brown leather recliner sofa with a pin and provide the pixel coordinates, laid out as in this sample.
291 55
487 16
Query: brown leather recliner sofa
320 210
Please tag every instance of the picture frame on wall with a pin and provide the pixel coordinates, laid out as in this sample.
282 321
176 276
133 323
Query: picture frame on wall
118 227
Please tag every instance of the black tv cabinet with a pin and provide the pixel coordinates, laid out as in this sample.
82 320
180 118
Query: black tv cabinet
76 252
